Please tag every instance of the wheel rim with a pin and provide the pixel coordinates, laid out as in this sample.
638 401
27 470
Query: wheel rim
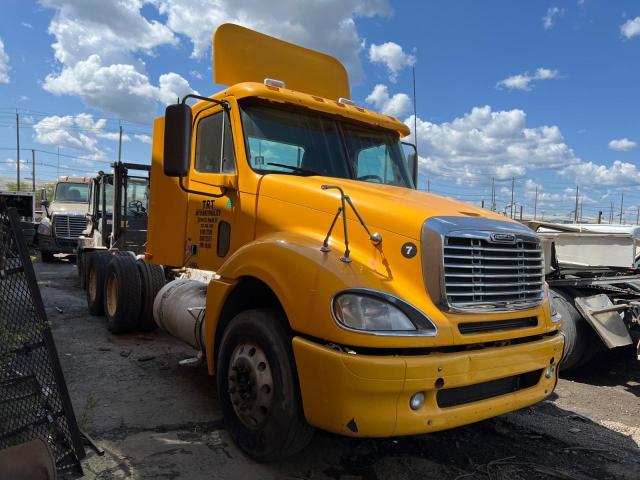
93 284
112 295
250 385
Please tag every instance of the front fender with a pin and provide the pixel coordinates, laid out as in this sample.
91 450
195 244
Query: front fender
305 280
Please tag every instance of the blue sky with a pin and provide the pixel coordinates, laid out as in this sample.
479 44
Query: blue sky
543 91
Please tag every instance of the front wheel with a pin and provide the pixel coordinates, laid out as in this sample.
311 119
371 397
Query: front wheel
258 388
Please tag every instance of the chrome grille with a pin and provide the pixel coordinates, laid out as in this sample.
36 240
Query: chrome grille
480 272
69 226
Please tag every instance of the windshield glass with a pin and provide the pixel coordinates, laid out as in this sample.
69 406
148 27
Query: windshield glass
298 142
72 192
137 196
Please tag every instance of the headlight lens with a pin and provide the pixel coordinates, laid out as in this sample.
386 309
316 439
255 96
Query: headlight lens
380 312
45 227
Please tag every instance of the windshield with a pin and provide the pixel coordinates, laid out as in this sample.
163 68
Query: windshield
72 192
298 142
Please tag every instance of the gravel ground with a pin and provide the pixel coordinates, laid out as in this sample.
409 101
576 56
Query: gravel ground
155 419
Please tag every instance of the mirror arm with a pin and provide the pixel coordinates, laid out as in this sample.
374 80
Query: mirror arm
223 103
205 194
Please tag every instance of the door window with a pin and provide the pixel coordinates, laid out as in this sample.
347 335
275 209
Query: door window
211 156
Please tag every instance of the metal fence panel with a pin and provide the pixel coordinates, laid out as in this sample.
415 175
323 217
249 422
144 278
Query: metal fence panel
34 401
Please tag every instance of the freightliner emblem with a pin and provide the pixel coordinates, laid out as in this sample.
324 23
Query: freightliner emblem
503 238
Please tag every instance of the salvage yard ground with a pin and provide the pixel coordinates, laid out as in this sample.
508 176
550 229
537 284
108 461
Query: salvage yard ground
155 419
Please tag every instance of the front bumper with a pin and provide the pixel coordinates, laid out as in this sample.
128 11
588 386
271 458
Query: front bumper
368 395
47 243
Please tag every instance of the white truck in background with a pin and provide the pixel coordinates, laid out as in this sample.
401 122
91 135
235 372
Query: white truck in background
592 272
64 218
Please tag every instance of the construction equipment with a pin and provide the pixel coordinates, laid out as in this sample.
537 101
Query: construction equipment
65 217
117 226
319 286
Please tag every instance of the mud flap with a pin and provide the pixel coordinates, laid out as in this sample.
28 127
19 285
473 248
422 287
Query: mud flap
608 324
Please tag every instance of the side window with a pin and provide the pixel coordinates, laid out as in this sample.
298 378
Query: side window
209 143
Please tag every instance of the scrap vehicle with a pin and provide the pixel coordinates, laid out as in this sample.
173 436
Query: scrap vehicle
25 204
65 217
592 273
317 284
117 225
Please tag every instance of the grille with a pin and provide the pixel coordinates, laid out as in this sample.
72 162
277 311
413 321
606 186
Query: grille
452 397
69 226
480 273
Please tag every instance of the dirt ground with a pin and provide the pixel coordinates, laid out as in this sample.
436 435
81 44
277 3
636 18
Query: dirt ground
155 419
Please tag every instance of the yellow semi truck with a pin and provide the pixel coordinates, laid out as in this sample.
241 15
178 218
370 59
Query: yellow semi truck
320 287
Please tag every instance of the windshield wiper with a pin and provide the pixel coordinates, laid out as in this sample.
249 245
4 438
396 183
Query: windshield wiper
295 169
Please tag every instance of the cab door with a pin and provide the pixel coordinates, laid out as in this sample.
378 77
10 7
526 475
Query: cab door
212 212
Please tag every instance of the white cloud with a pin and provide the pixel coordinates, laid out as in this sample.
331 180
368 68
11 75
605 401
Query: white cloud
630 28
118 89
392 56
143 138
619 174
26 25
79 132
96 43
196 74
622 144
397 105
552 15
4 64
328 26
488 143
524 81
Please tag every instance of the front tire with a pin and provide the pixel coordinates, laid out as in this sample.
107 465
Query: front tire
258 387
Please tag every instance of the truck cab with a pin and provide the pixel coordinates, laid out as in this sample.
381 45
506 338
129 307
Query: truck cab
65 217
319 286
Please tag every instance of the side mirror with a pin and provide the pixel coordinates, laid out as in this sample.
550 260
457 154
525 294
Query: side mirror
178 121
45 204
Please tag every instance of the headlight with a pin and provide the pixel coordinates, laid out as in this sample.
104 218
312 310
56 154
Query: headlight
380 313
45 227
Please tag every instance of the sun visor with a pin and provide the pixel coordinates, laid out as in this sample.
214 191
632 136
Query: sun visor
242 55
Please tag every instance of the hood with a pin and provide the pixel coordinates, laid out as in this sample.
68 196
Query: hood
382 207
68 208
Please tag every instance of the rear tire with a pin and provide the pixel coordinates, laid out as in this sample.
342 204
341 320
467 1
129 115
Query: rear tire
579 343
258 387
96 271
152 280
122 292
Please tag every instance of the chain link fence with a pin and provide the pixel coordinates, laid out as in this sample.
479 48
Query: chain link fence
34 401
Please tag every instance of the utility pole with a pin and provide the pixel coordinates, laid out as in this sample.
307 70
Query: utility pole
611 213
638 217
581 200
575 212
621 204
513 186
120 146
600 217
535 204
493 194
482 204
17 151
428 185
33 170
58 170
520 212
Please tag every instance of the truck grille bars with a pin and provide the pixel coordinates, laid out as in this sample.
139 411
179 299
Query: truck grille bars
69 226
483 265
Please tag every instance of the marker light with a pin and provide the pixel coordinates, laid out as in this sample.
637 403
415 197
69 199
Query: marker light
272 82
346 101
